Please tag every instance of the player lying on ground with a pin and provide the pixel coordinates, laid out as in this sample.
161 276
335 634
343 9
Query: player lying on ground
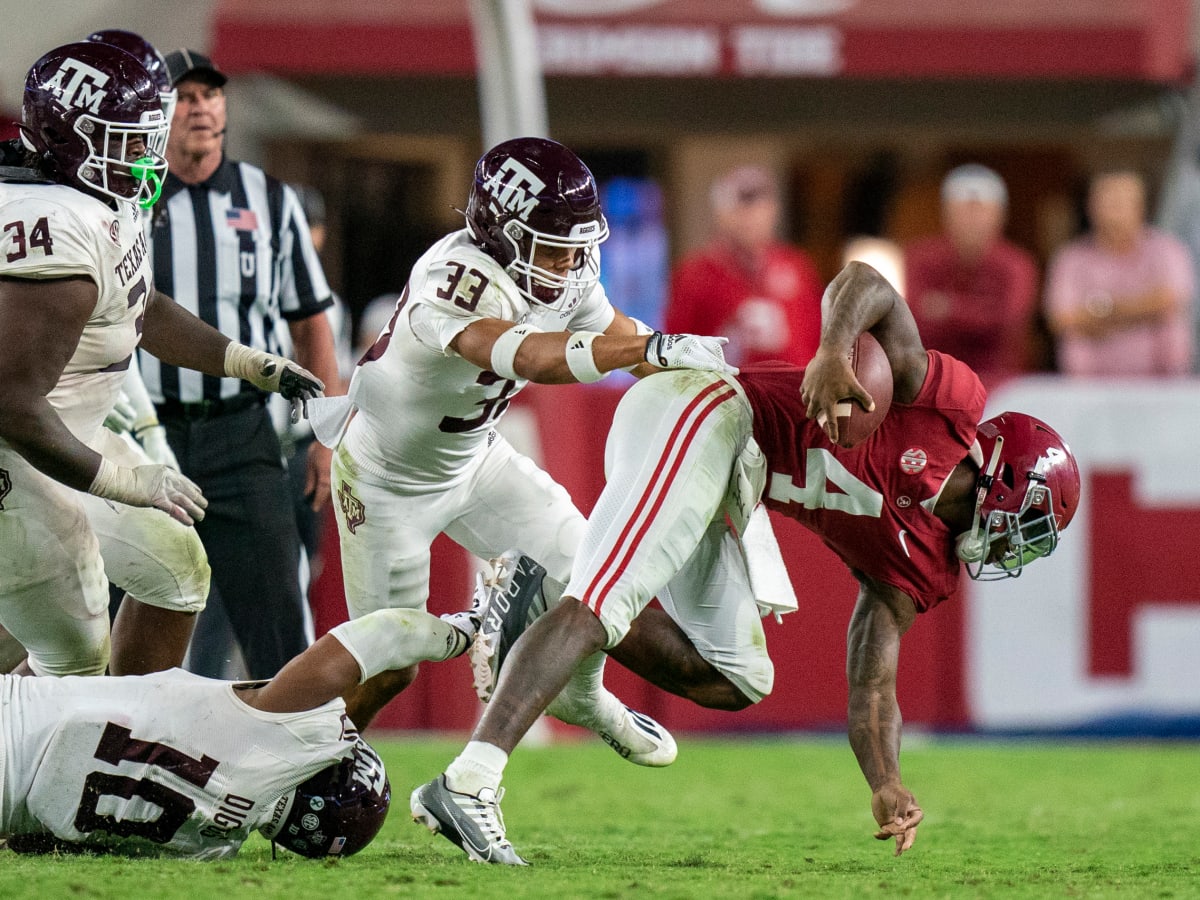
932 486
181 765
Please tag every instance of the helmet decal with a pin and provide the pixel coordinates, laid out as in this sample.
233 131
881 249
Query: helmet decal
515 188
78 85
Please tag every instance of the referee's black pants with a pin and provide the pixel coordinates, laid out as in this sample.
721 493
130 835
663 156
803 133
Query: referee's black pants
249 530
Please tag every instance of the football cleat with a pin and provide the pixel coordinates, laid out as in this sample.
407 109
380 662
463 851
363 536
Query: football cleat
638 738
632 735
473 823
505 602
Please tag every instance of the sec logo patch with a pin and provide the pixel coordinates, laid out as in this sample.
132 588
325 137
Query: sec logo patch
913 461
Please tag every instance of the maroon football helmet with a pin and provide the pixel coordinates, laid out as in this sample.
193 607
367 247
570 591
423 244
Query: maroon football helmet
143 51
336 812
529 194
86 106
1028 490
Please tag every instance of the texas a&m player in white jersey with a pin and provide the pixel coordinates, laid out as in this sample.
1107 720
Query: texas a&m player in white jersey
512 298
76 296
176 764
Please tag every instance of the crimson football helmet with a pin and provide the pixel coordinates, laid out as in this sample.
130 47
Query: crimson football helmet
529 194
1027 493
87 106
143 51
336 812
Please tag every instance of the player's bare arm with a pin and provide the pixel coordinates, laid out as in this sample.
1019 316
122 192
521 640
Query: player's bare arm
323 671
542 355
41 321
881 616
860 299
177 337
384 640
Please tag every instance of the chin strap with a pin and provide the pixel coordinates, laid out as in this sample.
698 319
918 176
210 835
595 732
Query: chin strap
972 546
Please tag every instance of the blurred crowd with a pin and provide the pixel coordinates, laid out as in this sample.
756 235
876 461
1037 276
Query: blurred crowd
1116 300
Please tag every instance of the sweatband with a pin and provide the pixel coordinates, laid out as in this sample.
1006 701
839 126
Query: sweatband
112 481
579 357
504 350
392 639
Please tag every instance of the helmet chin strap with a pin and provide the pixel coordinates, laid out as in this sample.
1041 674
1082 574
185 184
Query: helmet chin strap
972 546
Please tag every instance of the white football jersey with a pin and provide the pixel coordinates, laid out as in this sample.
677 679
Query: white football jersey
53 231
171 759
423 411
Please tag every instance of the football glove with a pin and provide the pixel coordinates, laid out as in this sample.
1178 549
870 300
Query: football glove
688 351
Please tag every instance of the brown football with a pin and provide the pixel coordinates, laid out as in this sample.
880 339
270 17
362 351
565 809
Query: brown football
871 368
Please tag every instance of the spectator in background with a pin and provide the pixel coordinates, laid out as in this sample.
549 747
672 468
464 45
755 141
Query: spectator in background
746 284
231 244
1119 298
972 292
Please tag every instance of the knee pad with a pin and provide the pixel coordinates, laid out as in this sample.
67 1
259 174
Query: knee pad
87 655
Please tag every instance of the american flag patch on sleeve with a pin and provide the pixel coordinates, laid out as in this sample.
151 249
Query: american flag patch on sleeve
241 219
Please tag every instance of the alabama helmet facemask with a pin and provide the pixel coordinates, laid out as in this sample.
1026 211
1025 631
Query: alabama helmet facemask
87 107
1026 494
530 194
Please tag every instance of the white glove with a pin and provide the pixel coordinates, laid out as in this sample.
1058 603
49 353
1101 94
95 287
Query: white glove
154 485
153 439
122 416
275 374
688 351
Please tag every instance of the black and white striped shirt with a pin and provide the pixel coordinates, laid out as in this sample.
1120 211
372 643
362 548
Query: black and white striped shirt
235 250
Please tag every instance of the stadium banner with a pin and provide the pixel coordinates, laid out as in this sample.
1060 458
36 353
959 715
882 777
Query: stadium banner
1104 635
1100 637
1121 39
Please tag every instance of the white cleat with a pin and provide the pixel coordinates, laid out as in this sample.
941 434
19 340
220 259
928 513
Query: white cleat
632 735
640 739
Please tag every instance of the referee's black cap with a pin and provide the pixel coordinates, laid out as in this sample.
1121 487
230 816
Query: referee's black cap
183 64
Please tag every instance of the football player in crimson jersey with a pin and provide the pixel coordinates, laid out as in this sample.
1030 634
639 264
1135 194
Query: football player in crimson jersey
76 299
690 454
512 297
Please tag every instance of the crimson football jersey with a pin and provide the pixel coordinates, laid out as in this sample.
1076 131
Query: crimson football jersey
872 505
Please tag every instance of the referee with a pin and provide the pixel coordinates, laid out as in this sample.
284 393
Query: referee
230 244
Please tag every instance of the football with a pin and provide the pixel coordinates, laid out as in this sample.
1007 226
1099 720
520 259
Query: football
871 368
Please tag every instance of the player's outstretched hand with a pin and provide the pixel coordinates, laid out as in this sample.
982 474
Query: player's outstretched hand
828 380
688 351
276 374
896 811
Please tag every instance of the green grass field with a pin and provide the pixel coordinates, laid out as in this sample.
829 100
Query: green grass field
784 817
